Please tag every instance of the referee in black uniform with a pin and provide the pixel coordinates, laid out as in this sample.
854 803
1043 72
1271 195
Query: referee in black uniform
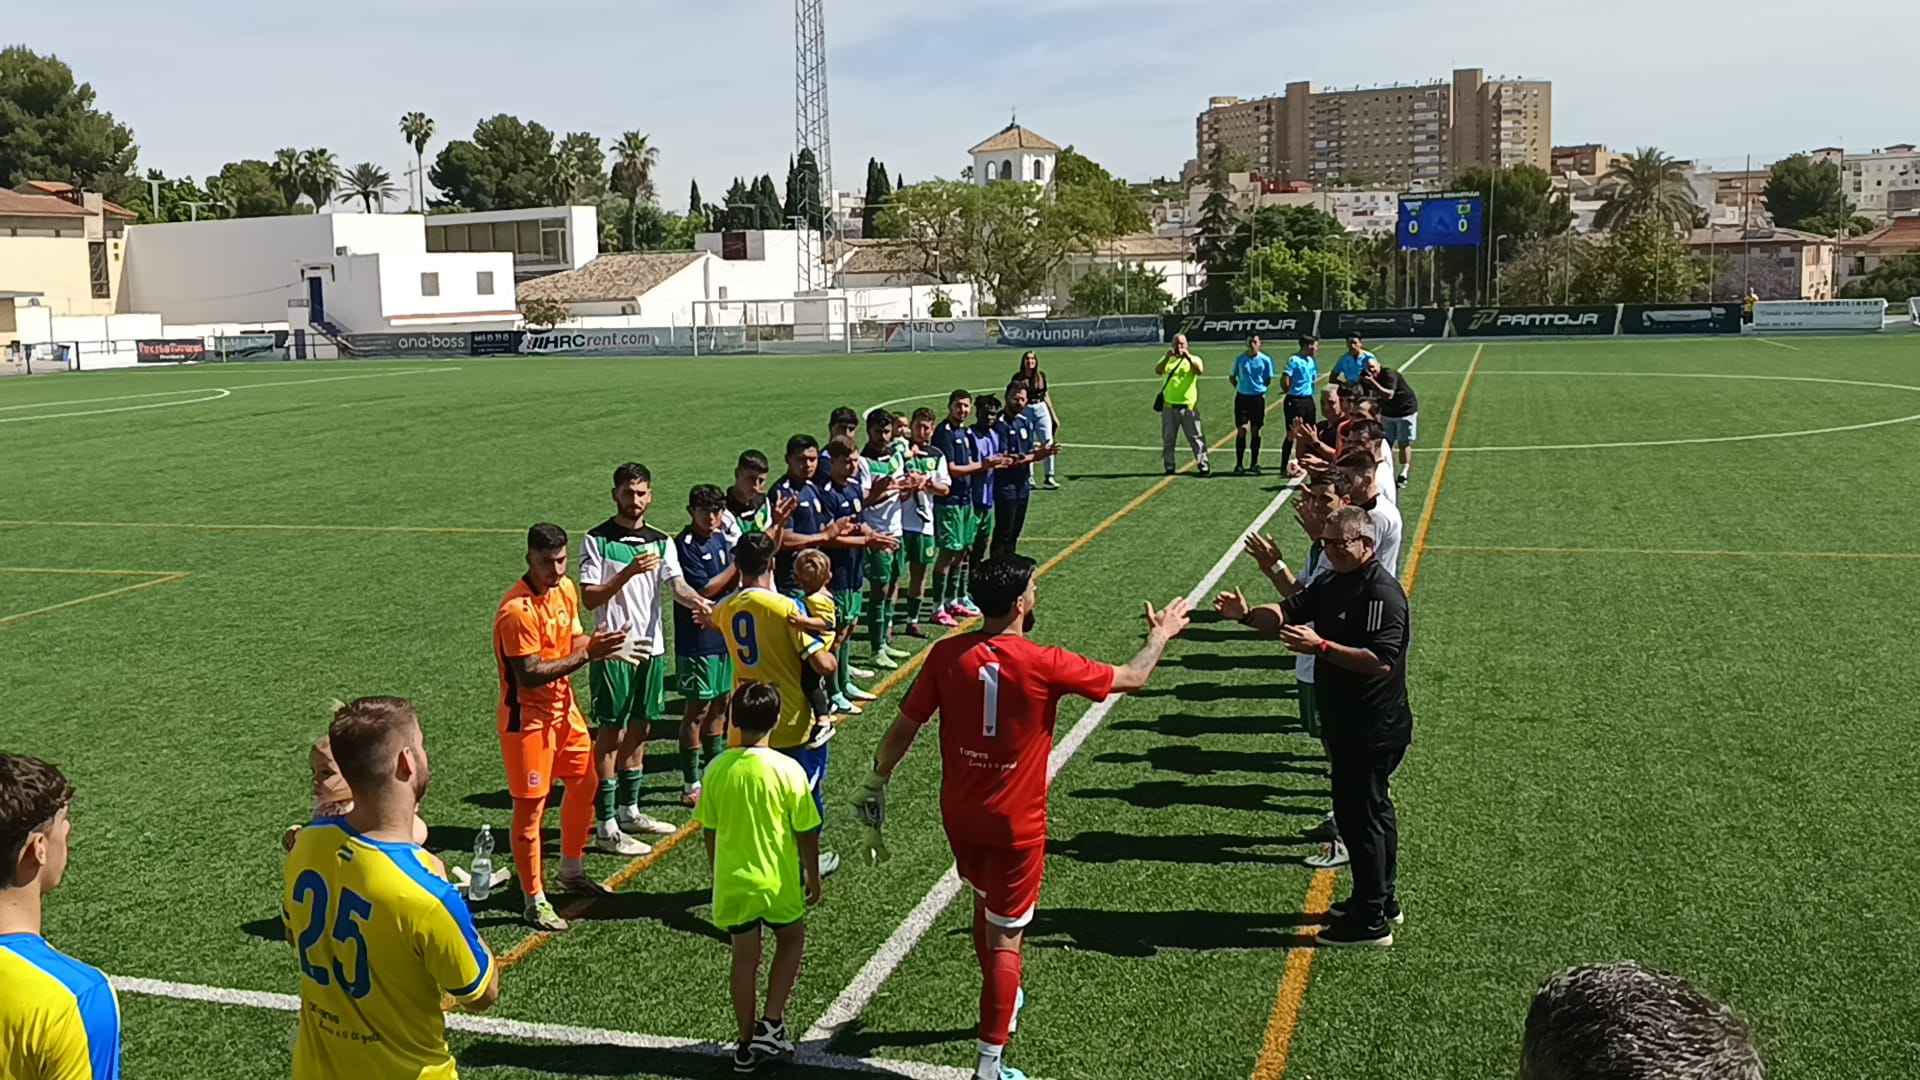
1359 634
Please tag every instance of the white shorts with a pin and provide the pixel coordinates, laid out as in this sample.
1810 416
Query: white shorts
1401 430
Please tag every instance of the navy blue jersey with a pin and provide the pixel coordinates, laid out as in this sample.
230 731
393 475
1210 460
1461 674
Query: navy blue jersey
957 446
1016 437
849 564
700 562
809 519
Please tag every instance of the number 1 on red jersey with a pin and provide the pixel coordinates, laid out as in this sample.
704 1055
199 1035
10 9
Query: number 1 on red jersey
990 710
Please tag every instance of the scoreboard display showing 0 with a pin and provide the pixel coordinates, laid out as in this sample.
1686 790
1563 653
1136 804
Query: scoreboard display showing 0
1440 221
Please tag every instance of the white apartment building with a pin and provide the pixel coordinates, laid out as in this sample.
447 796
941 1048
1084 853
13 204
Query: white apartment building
1880 183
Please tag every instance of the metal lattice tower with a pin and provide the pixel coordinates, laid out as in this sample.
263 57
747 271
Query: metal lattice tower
810 132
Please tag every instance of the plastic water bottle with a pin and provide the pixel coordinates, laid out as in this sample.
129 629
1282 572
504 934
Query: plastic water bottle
480 885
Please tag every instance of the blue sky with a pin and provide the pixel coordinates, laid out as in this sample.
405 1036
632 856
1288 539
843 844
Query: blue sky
204 82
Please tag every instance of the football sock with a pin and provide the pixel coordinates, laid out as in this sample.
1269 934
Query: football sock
526 843
627 791
917 608
844 676
1256 450
1240 450
877 627
576 821
989 1067
607 799
999 990
711 746
690 764
942 591
966 583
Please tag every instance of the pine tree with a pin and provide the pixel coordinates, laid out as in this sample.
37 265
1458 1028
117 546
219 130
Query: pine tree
695 207
741 212
768 213
1214 245
879 190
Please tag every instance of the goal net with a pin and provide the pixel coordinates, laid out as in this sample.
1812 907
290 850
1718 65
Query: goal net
793 324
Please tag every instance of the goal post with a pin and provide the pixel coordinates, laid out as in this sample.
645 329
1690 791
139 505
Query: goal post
806 323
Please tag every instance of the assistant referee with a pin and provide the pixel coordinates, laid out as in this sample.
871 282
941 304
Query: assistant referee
1303 372
1358 636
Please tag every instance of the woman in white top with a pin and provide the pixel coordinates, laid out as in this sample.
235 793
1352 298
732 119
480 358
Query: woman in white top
1040 410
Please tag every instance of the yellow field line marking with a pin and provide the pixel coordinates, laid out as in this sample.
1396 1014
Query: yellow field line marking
14 524
1778 344
538 940
1684 553
1272 1062
123 590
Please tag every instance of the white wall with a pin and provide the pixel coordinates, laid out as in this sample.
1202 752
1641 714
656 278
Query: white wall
403 303
215 271
378 234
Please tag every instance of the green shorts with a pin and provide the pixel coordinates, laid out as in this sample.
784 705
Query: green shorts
849 606
918 548
624 695
704 678
885 567
1309 710
954 527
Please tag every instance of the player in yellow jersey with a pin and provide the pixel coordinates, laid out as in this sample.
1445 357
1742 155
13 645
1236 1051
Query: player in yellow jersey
378 931
58 1017
758 624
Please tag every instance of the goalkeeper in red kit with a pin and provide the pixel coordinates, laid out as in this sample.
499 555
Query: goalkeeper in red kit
997 694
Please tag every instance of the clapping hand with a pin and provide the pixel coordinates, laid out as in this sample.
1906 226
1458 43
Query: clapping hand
1231 605
783 510
1262 550
1170 620
1300 639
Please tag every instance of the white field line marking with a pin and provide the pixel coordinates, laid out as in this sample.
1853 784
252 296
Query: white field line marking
1415 358
1702 441
859 994
533 1032
98 400
216 394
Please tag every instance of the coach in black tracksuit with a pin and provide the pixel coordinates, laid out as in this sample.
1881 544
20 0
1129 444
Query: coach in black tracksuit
1358 633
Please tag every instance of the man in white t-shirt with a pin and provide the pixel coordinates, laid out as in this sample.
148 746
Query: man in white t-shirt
624 566
1359 483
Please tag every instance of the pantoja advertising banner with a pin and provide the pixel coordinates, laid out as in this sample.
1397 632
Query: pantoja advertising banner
934 334
1820 314
1584 321
1227 326
1411 322
1109 330
1680 318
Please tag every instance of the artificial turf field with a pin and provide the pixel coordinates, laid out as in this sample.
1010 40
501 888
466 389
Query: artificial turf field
1663 695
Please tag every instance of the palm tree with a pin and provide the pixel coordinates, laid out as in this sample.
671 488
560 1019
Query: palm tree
288 175
369 183
417 129
559 178
1647 182
634 159
319 176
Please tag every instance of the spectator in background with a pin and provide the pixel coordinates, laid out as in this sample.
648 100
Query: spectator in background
1181 409
1623 1021
1046 422
1399 413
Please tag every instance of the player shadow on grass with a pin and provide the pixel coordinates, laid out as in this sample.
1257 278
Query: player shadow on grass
1258 798
1207 691
1202 849
1194 726
1195 761
1277 659
856 1040
692 1063
674 910
1143 934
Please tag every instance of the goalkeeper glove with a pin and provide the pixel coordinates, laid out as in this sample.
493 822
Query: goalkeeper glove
870 806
